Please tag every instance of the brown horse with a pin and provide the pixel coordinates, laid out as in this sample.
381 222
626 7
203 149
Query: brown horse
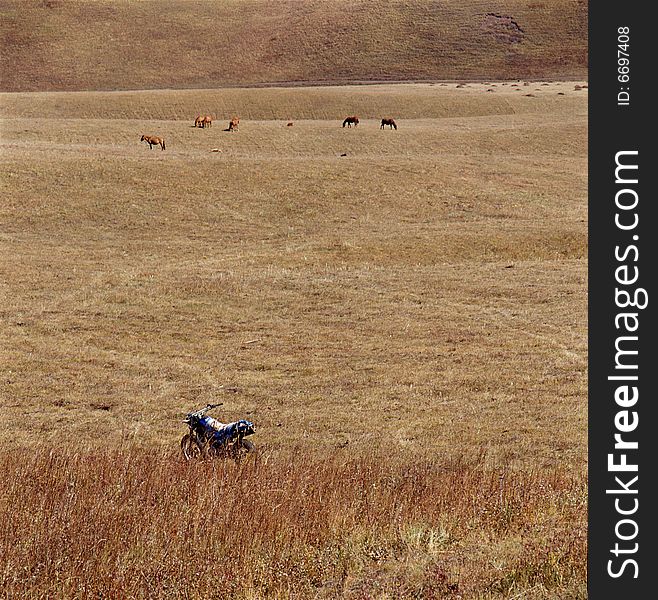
233 124
390 122
203 121
153 140
349 121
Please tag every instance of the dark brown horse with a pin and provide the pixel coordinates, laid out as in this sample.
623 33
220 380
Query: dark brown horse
390 122
153 140
349 121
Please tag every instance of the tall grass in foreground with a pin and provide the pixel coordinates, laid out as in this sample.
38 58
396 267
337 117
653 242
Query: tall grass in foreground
138 524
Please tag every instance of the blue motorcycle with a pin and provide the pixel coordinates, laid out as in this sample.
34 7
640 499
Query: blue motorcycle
209 438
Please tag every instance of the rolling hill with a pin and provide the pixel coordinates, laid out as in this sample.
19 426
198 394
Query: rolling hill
401 313
50 45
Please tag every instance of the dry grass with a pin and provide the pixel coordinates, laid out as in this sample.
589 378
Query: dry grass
131 524
412 101
115 44
420 302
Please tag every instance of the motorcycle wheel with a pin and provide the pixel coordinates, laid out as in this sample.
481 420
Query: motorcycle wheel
211 451
240 451
190 447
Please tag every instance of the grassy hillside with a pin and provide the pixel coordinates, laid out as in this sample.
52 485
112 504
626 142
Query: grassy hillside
412 101
434 274
115 44
402 314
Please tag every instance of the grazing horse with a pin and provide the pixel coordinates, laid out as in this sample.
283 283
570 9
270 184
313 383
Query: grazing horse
203 121
390 122
153 140
233 124
351 121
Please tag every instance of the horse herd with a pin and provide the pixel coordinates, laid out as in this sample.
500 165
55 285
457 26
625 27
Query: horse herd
354 120
206 121
203 121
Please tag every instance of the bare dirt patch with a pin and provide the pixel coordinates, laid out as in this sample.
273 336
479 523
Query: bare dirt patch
504 28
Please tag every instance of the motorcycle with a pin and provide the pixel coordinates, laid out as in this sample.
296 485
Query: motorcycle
208 438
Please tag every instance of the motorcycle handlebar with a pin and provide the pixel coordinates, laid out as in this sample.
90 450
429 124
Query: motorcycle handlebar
204 410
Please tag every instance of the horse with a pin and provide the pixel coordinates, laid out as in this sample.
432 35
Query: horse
390 122
198 122
351 120
233 124
153 140
207 121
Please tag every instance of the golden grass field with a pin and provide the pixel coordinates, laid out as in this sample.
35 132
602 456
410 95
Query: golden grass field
406 325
